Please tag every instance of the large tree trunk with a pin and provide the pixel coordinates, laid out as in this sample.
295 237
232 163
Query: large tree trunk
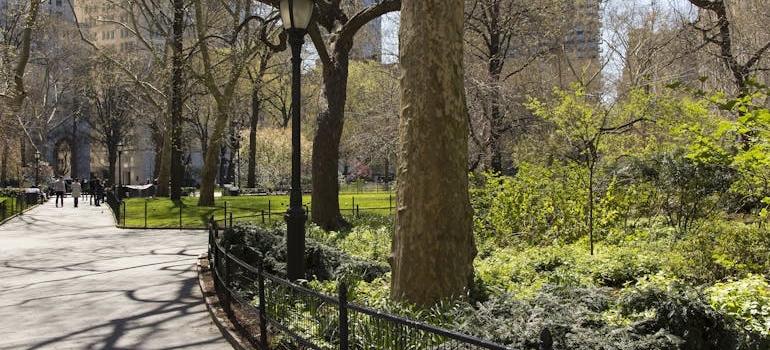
433 248
164 170
177 84
326 144
4 163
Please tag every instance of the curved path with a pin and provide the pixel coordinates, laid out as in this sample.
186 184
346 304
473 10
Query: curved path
70 280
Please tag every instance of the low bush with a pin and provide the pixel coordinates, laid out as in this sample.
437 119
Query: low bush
252 243
721 250
747 302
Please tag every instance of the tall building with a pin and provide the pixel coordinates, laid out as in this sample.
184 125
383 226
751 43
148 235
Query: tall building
583 29
102 20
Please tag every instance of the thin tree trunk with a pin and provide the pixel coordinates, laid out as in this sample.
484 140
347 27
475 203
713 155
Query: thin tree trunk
74 148
209 173
164 172
251 178
432 248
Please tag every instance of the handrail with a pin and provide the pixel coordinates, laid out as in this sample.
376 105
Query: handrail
229 270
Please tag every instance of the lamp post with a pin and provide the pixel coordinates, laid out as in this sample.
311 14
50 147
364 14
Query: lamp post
120 171
295 15
37 167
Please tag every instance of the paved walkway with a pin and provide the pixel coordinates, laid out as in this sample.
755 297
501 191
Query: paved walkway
70 280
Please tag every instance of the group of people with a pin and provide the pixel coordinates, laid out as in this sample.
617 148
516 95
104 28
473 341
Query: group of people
95 189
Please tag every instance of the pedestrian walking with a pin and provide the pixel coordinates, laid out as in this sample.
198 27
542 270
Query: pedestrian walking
97 191
76 191
59 188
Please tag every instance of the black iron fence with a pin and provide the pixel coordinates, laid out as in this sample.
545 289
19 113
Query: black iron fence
17 204
227 213
314 320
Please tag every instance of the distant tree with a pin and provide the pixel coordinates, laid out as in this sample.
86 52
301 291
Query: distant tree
14 57
737 30
149 24
503 38
220 25
371 131
112 115
433 247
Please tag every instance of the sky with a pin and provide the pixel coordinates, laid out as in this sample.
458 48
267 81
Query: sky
390 22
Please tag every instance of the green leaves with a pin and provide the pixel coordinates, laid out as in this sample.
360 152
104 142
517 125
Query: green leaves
746 301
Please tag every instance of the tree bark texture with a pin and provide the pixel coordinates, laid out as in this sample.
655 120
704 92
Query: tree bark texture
325 210
251 178
177 86
433 247
164 170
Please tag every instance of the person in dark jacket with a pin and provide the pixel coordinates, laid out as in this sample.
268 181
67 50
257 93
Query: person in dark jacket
97 191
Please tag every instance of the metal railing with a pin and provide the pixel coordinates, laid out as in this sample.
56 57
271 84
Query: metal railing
314 320
12 206
227 212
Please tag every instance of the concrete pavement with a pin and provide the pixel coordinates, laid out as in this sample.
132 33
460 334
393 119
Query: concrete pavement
70 280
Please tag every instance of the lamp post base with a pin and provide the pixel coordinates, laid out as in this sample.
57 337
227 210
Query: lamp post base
295 243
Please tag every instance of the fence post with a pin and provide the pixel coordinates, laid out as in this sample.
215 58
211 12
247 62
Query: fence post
145 214
546 341
124 212
343 296
358 210
226 287
225 217
262 320
269 210
231 220
390 203
180 214
263 216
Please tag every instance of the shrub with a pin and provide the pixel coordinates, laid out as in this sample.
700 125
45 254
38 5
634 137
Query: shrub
539 205
616 266
722 250
251 243
574 317
661 304
747 301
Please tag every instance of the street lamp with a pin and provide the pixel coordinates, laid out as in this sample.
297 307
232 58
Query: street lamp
295 15
120 170
37 167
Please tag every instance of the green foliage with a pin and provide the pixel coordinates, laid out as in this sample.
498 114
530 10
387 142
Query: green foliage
252 243
575 317
11 192
746 301
273 168
539 205
659 303
721 250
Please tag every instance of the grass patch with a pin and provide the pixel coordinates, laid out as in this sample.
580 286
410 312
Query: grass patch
164 213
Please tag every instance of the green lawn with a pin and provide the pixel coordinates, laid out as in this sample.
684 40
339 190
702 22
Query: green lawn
163 213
